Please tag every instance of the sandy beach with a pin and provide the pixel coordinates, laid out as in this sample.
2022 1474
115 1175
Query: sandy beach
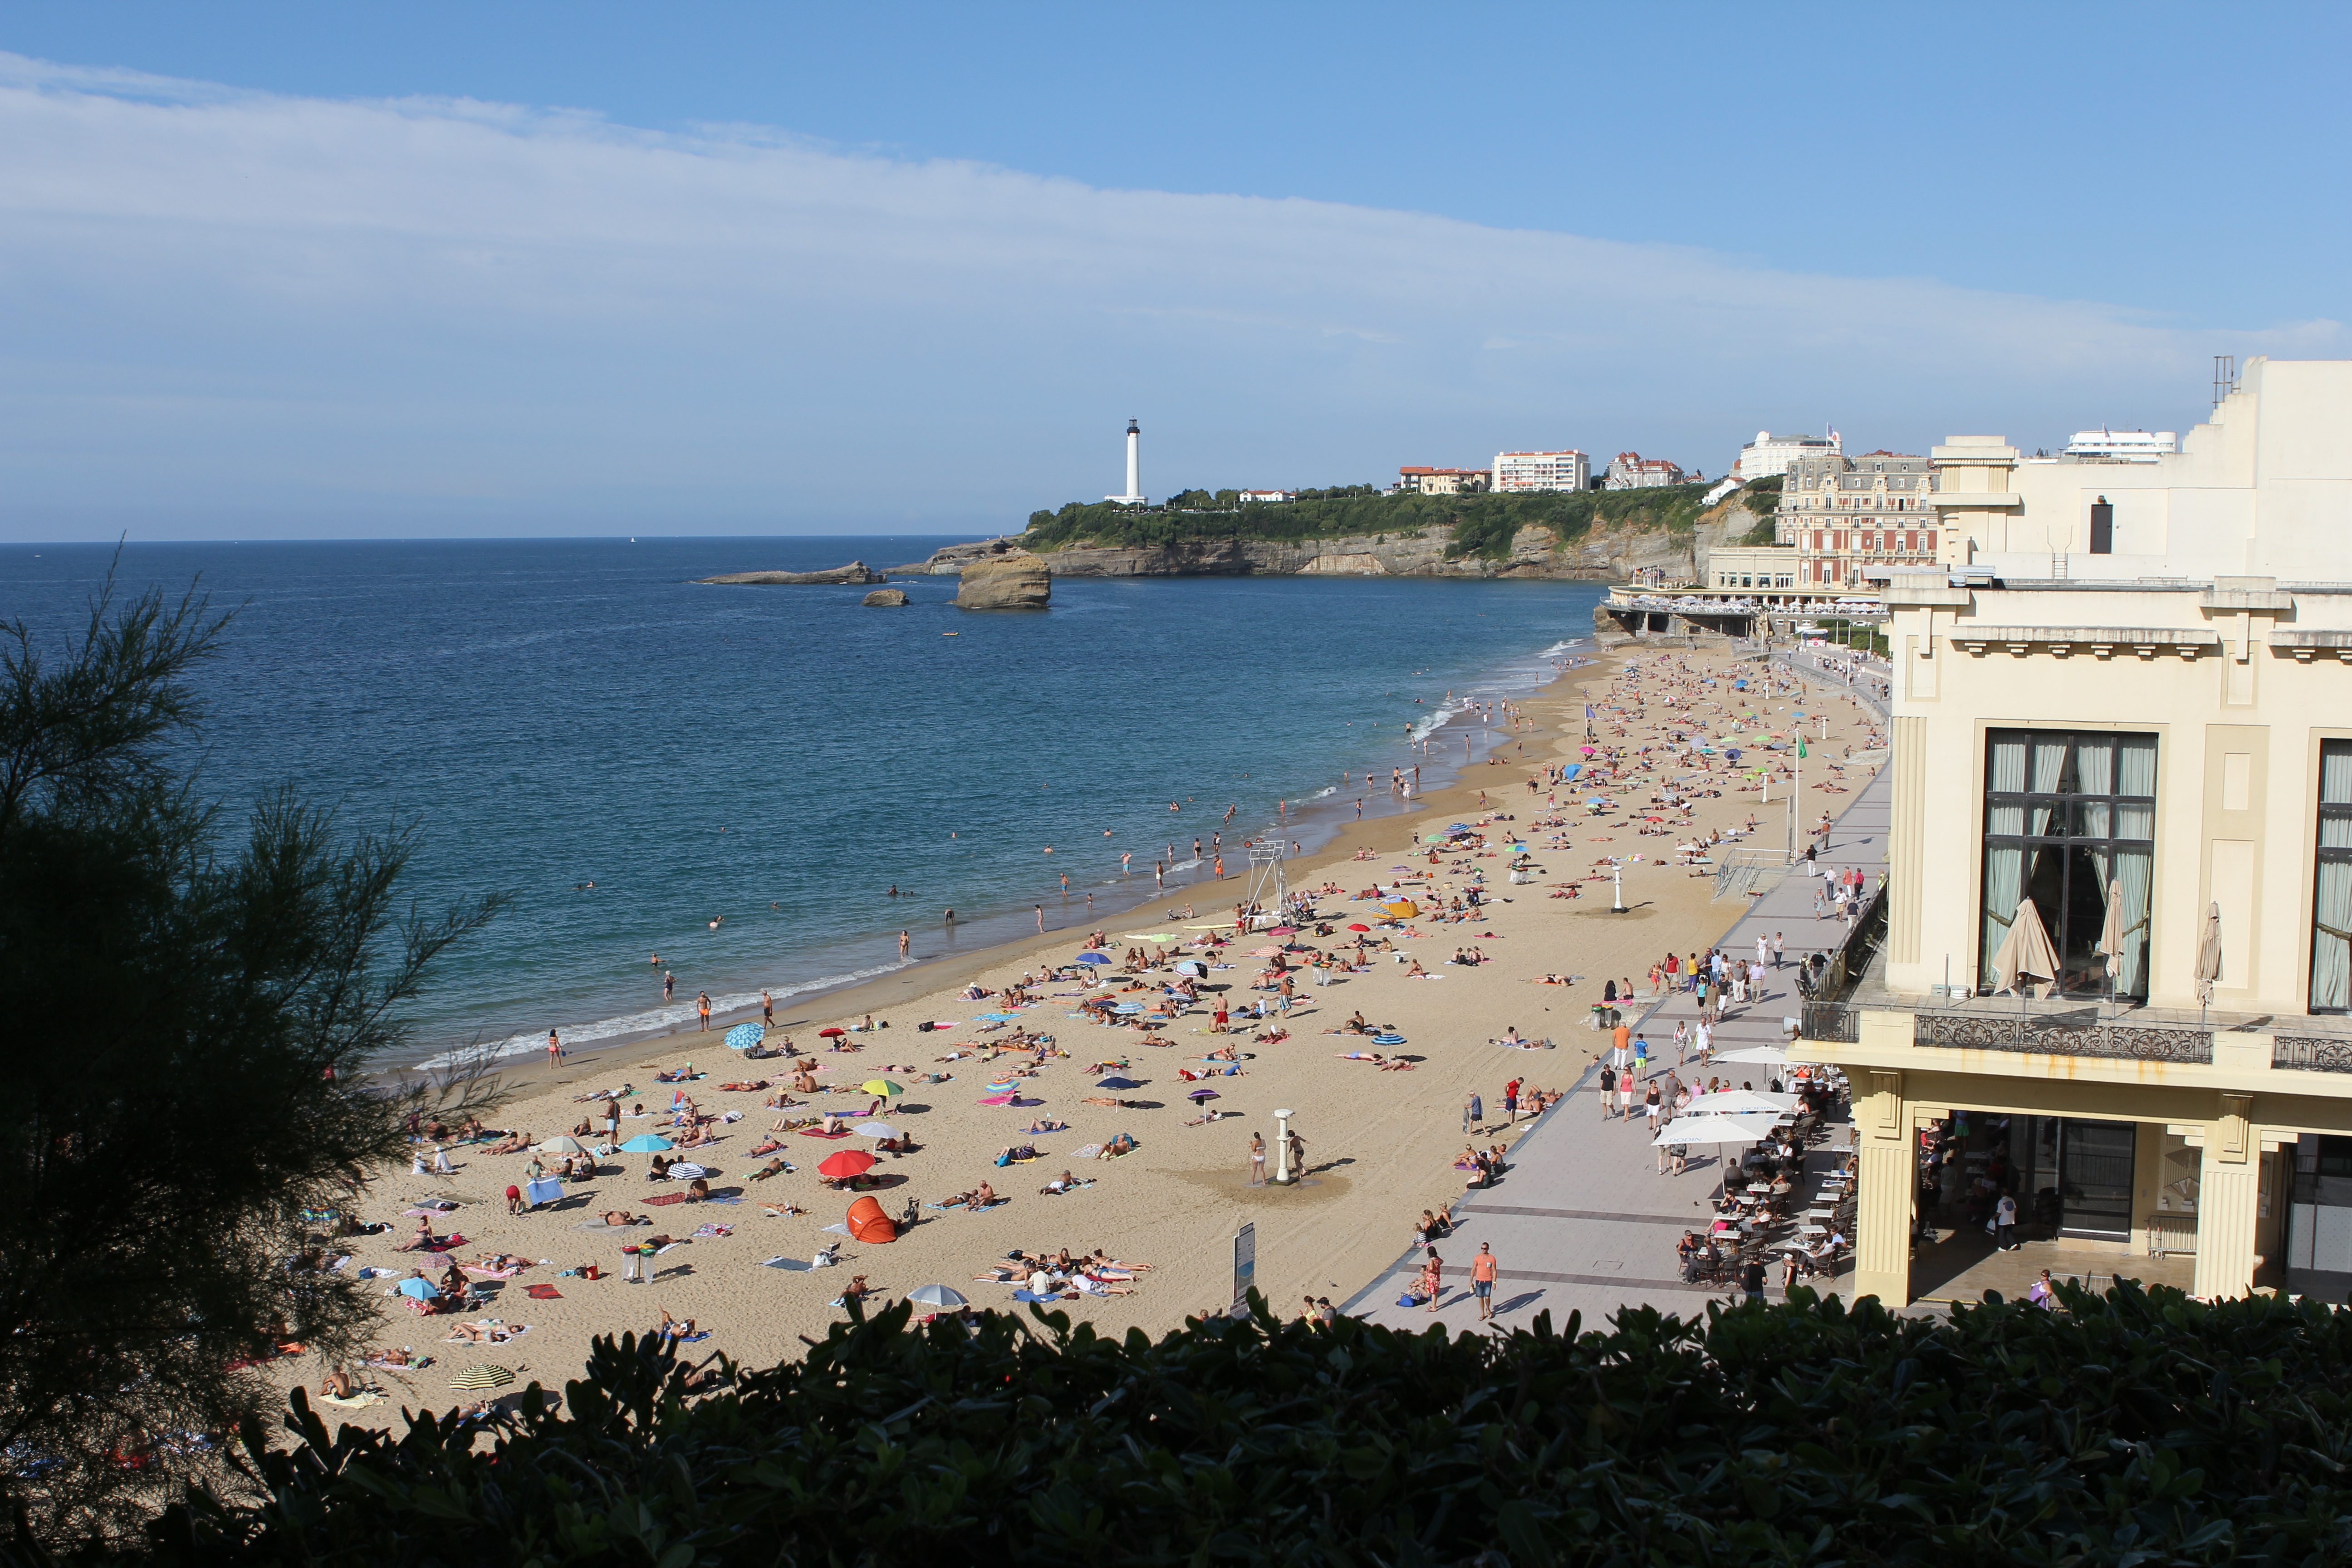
1379 1145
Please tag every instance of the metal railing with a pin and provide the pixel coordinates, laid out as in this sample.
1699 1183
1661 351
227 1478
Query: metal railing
2312 1053
1849 958
2082 1034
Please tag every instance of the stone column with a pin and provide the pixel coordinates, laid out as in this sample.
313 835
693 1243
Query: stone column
1887 1179
2229 1201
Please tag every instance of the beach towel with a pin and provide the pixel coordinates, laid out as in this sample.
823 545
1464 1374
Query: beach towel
798 1265
544 1293
359 1401
655 1202
1089 1152
818 1132
480 1273
1033 1296
702 1231
445 1243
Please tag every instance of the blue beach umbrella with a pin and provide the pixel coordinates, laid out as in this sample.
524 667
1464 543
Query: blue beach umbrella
647 1143
422 1290
1094 958
743 1036
1128 1007
1119 1083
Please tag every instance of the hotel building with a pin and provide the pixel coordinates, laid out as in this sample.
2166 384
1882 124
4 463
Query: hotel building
1854 520
2122 718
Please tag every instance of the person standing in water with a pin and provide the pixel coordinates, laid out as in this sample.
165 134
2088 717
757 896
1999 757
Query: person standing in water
669 985
554 1050
903 944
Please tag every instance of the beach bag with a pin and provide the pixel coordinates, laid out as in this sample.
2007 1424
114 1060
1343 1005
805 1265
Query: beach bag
868 1223
1408 1299
923 1028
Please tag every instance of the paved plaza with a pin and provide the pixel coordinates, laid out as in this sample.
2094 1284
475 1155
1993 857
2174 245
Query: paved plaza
1584 1220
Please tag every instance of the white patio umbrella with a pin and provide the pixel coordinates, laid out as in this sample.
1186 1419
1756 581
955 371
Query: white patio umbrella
1693 1132
1740 1103
2209 956
1760 1056
2025 953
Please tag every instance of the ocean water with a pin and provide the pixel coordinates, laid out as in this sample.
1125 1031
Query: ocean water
553 714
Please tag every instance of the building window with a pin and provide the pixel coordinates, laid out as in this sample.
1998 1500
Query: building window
2331 904
2070 829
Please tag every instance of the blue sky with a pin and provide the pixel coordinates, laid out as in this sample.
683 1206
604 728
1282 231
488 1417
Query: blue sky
293 270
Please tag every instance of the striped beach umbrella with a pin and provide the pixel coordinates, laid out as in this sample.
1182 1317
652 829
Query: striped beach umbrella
479 1377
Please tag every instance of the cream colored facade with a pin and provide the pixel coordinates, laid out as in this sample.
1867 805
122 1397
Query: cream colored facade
2212 644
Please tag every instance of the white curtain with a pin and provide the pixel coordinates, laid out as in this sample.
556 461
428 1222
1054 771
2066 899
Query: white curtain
2004 863
2134 773
2331 944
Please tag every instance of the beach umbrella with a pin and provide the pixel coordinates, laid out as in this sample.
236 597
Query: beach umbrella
877 1130
833 1033
1202 1094
1760 1056
938 1298
1128 1007
647 1143
1193 967
883 1087
743 1036
422 1290
1094 958
1116 1082
477 1377
566 1145
845 1162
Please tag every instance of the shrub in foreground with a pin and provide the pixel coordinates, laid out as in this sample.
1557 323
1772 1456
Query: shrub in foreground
2138 1426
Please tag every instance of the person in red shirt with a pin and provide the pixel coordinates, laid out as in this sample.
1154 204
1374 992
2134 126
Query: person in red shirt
1482 1280
1511 1100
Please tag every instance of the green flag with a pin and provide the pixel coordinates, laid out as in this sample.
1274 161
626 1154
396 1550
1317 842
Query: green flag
1801 746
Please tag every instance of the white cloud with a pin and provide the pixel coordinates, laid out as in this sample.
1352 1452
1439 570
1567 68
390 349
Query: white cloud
308 316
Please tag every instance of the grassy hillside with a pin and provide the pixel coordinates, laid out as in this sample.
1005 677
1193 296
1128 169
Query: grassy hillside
1483 524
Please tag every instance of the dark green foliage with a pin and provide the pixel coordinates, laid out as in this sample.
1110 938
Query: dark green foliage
189 1013
1761 497
1483 524
2133 1428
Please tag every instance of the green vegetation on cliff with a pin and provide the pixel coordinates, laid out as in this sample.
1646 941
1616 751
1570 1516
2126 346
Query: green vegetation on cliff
1483 525
1763 499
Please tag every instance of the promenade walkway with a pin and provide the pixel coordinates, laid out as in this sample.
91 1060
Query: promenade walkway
1584 1220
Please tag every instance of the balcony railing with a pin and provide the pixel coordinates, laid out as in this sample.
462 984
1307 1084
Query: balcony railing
2049 1035
2312 1053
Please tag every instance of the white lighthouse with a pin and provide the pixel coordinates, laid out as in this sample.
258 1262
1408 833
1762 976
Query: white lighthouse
1134 495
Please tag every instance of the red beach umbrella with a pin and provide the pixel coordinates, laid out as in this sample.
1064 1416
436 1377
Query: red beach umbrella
830 1034
846 1162
1356 926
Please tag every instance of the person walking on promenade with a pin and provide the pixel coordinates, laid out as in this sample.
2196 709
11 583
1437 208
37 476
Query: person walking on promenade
1776 945
1608 1091
1482 1280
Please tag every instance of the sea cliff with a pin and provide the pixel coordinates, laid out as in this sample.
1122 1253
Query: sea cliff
1609 551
